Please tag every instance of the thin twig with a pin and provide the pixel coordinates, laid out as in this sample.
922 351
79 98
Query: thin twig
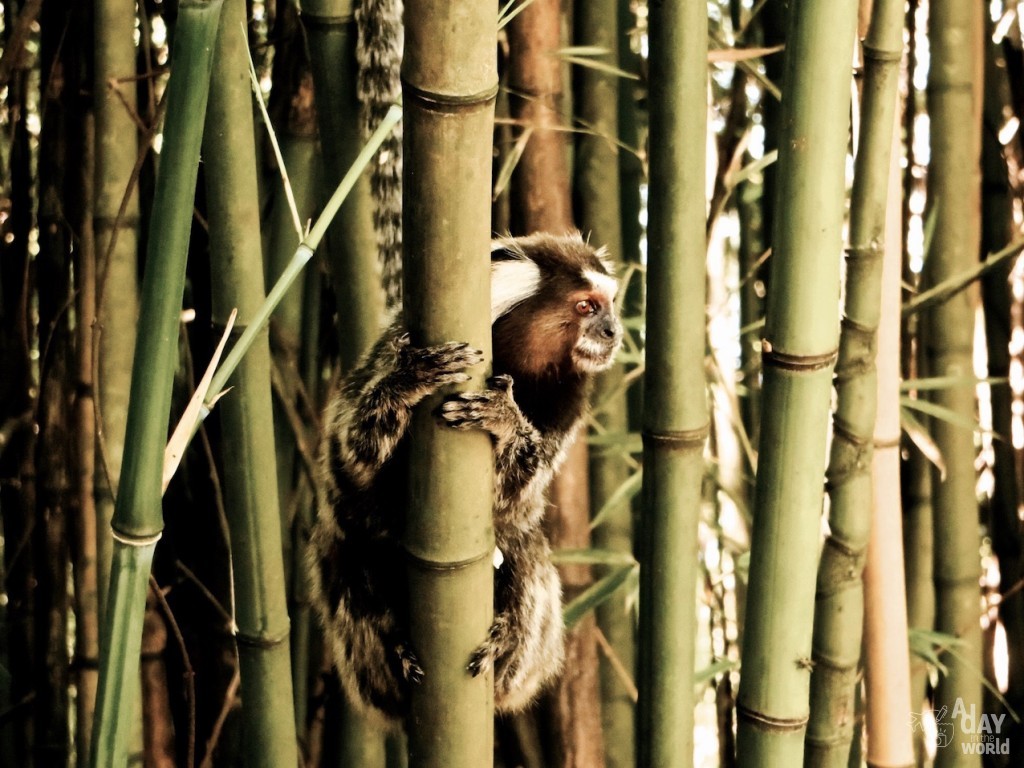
617 665
190 681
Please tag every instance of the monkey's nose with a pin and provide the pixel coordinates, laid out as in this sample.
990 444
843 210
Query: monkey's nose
608 331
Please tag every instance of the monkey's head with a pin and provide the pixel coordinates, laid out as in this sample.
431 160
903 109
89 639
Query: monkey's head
553 305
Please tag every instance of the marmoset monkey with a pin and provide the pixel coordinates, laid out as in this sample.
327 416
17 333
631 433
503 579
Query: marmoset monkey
554 324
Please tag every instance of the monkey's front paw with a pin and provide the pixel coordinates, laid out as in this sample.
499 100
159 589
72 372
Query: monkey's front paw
411 669
434 367
492 410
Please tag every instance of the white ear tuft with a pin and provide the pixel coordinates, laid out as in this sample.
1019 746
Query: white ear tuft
512 282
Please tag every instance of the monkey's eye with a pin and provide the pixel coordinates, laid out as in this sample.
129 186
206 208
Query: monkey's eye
586 307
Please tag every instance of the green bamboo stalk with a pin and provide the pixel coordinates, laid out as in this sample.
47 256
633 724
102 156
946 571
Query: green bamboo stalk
294 118
675 420
799 352
597 186
351 255
250 473
137 521
839 602
115 224
954 186
352 252
451 79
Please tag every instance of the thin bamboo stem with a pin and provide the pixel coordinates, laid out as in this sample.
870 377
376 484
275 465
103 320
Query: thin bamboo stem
137 521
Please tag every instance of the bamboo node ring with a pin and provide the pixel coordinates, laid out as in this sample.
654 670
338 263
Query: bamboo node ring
131 540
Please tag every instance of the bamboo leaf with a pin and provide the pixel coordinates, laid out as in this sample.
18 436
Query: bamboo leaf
595 594
616 442
272 135
751 169
592 557
587 56
953 285
622 495
928 644
714 669
508 13
948 382
507 168
941 412
735 55
923 440
190 418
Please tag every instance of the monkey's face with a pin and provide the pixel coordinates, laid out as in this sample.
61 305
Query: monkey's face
600 331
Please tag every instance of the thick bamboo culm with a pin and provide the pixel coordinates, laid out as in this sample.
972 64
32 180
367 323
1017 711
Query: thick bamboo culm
450 82
675 418
138 519
798 351
839 602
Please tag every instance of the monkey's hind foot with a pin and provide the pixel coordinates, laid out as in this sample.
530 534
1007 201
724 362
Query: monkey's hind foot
483 657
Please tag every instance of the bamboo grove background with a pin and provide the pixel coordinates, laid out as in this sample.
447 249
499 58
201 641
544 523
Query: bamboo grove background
839 338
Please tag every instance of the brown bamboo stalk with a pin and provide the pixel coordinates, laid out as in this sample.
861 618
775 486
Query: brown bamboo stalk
887 658
542 201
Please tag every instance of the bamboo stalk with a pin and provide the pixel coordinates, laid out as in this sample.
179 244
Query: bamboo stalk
954 185
998 227
250 473
596 181
352 253
87 640
887 656
542 201
451 79
52 446
675 417
115 224
839 602
799 352
137 521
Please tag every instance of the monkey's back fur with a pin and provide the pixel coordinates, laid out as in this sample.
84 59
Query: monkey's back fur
554 325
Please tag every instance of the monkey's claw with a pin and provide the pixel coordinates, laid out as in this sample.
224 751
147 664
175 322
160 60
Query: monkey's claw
502 383
481 660
439 365
411 669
